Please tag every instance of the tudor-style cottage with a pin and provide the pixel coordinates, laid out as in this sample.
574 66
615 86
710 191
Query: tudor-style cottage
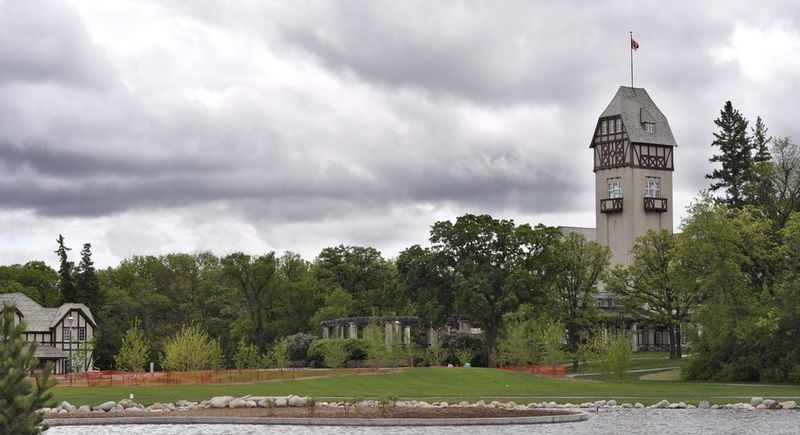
55 330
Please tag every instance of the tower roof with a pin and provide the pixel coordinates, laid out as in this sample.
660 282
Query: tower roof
636 107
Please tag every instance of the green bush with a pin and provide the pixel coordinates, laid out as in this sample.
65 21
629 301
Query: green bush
355 348
335 355
191 349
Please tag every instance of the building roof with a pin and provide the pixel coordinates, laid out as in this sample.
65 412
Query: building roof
44 351
39 318
636 107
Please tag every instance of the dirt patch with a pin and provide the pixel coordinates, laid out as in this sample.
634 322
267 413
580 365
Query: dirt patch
323 412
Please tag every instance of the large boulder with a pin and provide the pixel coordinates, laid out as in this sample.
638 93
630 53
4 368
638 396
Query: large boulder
296 402
83 409
127 403
704 404
68 406
772 404
107 406
789 404
755 401
220 401
242 403
662 404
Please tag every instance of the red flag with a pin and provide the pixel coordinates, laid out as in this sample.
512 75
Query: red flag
634 45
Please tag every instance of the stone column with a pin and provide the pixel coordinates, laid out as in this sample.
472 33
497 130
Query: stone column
325 332
407 334
353 332
389 333
433 336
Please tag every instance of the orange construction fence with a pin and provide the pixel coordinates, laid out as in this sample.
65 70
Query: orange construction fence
233 376
558 371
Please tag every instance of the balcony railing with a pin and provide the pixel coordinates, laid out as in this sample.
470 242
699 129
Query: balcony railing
655 204
610 205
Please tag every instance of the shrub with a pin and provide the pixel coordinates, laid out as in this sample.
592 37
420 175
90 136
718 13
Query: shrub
298 346
464 355
246 356
191 349
135 349
436 354
335 355
355 348
278 356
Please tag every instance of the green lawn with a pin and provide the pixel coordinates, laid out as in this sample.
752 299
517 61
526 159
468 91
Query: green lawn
453 385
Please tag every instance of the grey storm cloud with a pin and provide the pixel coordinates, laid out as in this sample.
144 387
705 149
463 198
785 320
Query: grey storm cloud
349 117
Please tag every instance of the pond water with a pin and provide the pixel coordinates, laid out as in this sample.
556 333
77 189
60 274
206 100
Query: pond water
624 421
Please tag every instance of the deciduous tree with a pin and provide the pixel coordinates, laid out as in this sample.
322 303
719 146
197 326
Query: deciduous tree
575 273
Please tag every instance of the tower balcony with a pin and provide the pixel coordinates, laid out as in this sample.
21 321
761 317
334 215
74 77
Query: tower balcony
611 205
655 204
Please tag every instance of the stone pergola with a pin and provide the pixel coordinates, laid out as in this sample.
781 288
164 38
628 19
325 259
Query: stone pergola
354 327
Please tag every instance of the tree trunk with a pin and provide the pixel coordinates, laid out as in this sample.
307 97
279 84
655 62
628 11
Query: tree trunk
573 348
491 338
678 341
671 333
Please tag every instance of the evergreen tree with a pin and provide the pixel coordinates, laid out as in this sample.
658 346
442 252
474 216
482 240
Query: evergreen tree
760 189
87 288
68 292
19 400
734 155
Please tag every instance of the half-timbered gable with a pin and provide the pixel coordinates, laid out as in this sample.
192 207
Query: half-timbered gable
56 331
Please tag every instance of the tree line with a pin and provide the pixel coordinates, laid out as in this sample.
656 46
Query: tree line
728 280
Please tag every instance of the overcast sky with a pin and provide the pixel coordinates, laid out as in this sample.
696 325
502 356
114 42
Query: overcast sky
154 127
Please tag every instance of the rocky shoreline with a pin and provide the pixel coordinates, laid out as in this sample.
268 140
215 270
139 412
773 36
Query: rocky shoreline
303 406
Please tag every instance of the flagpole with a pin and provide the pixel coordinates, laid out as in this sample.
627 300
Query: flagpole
631 48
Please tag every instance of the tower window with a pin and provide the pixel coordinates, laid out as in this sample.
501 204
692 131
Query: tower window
649 127
603 127
615 187
652 187
619 125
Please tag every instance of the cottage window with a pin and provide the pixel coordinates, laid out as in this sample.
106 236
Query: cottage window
81 334
619 125
652 187
615 187
649 127
603 127
66 334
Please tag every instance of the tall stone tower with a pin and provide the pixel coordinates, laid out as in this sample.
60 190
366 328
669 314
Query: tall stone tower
633 164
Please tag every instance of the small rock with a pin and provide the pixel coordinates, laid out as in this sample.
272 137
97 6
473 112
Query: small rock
126 403
611 402
761 406
704 404
180 403
463 404
132 409
600 403
84 409
68 406
626 406
715 406
62 411
638 405
789 404
156 406
107 406
755 401
281 402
